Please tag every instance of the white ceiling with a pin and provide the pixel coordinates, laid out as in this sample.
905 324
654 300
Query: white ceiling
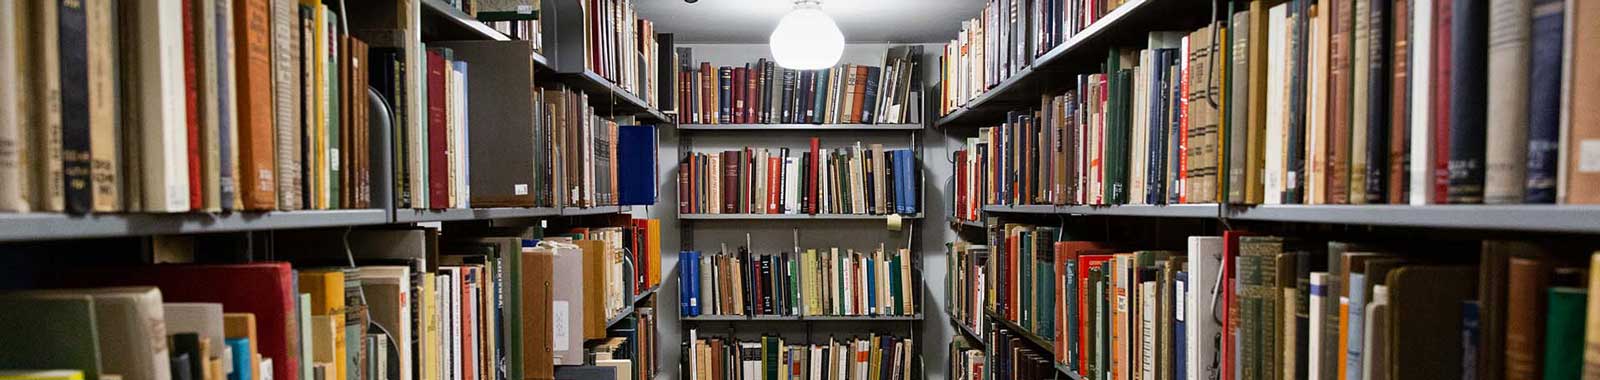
751 21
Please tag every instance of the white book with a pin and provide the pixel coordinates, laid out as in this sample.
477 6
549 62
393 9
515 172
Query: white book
1205 262
463 127
1316 110
1277 83
228 107
12 174
791 185
157 100
1359 73
389 288
1319 314
1139 139
286 62
694 339
1147 330
1510 35
1421 93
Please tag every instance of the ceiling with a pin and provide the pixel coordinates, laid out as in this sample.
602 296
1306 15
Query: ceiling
751 21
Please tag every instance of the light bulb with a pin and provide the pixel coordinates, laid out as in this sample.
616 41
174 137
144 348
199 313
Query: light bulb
807 39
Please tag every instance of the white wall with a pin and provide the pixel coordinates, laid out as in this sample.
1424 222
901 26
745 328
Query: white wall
930 234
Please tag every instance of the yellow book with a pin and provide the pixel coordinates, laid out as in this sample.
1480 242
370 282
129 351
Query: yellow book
243 325
52 374
326 287
319 125
326 341
430 328
1591 322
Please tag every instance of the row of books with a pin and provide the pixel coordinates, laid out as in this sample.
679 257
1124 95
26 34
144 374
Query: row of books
967 361
764 93
461 307
622 48
881 357
1284 307
850 180
519 23
816 282
1282 115
1005 39
163 107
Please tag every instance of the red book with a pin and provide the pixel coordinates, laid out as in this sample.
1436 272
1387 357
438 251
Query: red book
1012 276
265 289
191 102
730 182
438 171
811 186
685 196
1086 321
1441 101
738 94
1230 254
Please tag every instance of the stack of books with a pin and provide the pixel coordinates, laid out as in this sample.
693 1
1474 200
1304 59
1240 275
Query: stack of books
763 93
771 357
454 306
1367 102
825 282
1005 39
862 180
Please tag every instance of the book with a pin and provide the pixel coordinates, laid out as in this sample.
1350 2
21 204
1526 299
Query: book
61 332
1468 97
128 323
253 36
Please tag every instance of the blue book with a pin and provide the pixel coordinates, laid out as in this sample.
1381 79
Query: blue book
241 363
1154 182
1471 334
1544 101
1180 335
1358 302
870 101
821 101
687 282
909 179
636 164
1174 135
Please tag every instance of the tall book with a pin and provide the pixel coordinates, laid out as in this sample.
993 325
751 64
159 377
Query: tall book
1468 98
286 58
1421 47
253 35
1544 101
1581 184
1506 165
153 104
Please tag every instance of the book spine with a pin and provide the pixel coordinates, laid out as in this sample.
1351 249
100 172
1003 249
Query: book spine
73 40
286 59
1544 101
1239 107
438 171
105 129
192 40
254 73
1400 106
1468 96
1506 165
1443 16
1377 147
13 102
1339 102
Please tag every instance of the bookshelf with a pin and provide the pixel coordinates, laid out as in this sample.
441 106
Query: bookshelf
823 318
53 226
707 128
790 217
256 238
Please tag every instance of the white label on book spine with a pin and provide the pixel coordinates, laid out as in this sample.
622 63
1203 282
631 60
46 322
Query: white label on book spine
1589 156
520 189
559 321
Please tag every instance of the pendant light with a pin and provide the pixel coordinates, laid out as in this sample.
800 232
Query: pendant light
806 38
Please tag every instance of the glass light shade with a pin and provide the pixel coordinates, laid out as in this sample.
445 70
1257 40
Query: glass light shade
807 39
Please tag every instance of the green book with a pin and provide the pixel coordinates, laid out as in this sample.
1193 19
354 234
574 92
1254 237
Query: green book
1025 280
332 120
1563 341
59 333
1044 289
770 347
794 284
895 279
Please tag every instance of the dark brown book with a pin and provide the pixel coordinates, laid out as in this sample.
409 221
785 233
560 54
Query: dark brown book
1342 37
253 20
1425 304
505 122
1526 281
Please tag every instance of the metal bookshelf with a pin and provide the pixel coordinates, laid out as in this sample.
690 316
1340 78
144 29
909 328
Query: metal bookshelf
444 22
790 217
1206 210
833 318
801 127
597 210
637 298
55 226
1079 53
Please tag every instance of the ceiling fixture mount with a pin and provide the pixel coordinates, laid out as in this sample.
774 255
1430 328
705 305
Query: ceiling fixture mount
806 38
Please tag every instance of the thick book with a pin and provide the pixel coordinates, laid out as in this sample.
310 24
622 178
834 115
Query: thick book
158 99
254 73
132 344
1564 324
1527 278
1421 47
60 333
1544 101
438 175
505 111
1442 83
1426 303
1582 179
73 41
1400 105
1378 101
1340 102
1507 66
